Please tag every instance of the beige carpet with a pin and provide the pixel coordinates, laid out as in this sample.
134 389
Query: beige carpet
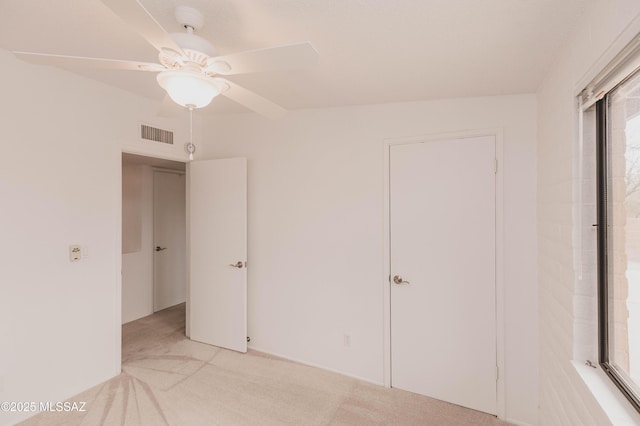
169 380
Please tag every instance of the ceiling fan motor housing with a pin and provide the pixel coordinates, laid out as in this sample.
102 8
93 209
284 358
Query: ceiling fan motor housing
197 48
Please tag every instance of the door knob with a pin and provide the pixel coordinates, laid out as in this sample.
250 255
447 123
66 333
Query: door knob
398 280
158 248
238 264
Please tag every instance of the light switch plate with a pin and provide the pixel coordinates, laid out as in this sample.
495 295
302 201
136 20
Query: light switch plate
75 253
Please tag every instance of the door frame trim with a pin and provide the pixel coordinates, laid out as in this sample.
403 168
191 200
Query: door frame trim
497 133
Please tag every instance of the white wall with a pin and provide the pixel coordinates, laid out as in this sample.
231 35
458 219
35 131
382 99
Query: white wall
137 267
131 208
604 30
61 143
316 228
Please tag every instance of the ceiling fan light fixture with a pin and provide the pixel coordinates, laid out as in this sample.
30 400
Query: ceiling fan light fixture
188 88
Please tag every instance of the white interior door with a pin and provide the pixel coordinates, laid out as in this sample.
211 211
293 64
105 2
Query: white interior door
169 235
217 233
443 311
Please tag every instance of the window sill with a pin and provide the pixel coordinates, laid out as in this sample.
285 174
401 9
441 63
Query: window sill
612 402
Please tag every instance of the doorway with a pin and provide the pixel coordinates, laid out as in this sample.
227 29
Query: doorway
215 250
442 317
152 280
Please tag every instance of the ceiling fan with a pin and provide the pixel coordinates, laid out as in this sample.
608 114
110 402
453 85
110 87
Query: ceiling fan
189 69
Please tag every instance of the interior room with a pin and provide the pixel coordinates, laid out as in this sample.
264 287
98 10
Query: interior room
372 185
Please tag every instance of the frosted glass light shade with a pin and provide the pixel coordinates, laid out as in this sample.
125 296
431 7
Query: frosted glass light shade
188 88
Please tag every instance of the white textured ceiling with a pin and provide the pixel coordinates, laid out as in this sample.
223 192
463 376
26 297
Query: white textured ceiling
371 51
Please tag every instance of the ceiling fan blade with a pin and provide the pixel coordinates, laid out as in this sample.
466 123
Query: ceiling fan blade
252 100
84 62
269 59
134 14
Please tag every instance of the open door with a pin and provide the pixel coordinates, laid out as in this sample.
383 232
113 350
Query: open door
217 247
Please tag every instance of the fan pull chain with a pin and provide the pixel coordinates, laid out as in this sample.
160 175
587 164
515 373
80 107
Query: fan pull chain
189 146
191 132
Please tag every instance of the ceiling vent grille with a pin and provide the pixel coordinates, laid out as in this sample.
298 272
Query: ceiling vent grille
157 135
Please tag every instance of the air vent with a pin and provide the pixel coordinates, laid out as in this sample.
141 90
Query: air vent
157 135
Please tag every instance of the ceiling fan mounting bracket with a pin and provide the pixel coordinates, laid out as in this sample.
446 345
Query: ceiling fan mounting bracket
189 18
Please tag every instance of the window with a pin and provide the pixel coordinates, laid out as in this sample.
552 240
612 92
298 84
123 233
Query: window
618 205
